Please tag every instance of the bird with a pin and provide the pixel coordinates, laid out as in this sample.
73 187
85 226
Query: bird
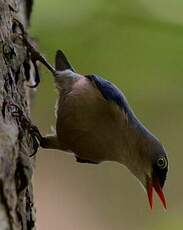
95 122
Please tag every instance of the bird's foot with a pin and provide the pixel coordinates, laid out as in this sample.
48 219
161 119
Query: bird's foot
36 135
35 55
25 124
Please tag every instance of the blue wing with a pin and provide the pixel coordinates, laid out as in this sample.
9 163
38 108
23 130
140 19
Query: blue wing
110 92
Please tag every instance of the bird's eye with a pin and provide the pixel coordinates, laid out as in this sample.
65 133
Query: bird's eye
162 162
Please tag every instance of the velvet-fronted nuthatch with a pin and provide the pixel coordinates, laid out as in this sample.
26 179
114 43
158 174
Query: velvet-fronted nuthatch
96 123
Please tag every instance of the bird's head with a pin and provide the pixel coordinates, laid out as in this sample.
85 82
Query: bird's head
150 166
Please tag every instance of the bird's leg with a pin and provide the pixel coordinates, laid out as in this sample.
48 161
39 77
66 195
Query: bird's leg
48 142
35 54
79 160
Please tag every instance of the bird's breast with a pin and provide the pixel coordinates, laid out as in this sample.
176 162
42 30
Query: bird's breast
88 124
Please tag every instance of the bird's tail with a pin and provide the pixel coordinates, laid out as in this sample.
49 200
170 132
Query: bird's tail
61 62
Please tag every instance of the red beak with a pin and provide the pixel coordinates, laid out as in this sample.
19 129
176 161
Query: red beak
158 189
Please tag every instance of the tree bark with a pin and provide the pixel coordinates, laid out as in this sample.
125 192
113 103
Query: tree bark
16 144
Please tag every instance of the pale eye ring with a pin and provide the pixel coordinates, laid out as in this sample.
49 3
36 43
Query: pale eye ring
162 162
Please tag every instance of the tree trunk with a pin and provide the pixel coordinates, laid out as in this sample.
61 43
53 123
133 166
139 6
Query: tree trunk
16 144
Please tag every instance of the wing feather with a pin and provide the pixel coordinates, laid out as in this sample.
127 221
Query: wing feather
110 92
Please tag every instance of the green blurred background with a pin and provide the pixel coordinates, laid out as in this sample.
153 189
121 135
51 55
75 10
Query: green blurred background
137 44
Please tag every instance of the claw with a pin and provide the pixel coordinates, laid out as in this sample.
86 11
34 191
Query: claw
35 132
25 123
35 54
